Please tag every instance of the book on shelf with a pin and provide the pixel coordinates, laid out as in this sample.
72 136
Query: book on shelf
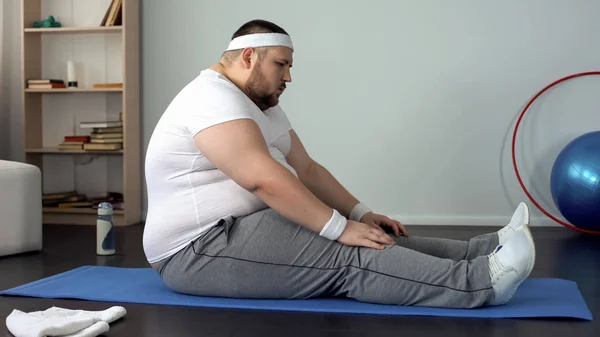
101 124
51 198
73 199
106 140
69 146
44 81
110 146
113 15
108 85
45 84
108 130
106 135
78 139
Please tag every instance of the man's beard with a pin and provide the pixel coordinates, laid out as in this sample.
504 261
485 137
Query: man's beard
254 91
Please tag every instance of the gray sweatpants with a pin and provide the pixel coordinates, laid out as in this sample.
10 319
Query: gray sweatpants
264 255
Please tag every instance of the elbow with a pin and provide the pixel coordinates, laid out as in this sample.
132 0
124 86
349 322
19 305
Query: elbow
268 187
269 178
271 188
308 171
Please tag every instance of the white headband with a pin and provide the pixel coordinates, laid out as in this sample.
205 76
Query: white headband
260 40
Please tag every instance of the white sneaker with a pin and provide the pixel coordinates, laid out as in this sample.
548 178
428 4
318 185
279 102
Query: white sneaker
519 222
520 218
510 264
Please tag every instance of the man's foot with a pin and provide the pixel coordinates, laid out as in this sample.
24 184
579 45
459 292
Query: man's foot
520 218
510 264
519 222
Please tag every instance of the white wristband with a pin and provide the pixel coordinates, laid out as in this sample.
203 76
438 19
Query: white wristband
334 227
358 211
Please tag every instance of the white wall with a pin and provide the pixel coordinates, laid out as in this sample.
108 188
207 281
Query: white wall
410 104
423 93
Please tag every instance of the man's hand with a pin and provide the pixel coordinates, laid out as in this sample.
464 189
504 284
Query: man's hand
378 220
361 234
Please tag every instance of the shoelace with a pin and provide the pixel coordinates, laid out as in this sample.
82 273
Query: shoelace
496 267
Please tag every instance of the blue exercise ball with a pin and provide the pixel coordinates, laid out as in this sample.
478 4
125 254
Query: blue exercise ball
575 181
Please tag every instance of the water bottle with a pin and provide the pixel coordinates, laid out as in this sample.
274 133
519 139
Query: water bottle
105 230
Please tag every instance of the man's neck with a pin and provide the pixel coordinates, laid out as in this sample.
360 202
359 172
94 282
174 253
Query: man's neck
222 69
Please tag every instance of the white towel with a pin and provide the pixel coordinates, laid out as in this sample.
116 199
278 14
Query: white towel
57 321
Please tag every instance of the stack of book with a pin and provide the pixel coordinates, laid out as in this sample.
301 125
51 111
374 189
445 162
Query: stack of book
73 143
104 136
72 199
45 84
64 199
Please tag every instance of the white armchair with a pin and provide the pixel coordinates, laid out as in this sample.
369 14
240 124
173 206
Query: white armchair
20 208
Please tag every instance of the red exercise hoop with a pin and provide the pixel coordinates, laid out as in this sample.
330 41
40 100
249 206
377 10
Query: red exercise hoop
515 161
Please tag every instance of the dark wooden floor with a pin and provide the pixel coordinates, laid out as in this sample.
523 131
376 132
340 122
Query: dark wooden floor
561 253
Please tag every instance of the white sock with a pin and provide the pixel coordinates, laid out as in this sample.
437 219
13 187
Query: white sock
38 324
94 330
57 321
109 315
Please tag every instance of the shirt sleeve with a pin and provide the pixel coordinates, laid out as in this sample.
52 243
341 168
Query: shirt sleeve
281 118
214 107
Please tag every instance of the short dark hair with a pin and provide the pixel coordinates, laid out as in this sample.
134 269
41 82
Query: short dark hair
258 26
252 27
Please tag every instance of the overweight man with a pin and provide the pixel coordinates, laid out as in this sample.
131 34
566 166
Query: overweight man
238 208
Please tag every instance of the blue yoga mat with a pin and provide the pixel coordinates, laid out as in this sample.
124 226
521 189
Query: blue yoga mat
544 297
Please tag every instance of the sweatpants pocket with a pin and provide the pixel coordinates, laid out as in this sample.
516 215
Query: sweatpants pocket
215 239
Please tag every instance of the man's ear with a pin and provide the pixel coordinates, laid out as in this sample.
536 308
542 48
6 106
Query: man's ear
246 57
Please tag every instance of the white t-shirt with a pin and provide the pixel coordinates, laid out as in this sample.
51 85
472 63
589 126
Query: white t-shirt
187 194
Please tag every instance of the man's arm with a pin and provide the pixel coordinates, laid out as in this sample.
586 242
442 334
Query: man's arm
318 179
322 183
239 150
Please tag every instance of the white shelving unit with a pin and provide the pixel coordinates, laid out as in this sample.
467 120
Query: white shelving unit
103 55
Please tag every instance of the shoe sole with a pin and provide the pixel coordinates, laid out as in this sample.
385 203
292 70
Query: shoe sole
530 238
513 290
